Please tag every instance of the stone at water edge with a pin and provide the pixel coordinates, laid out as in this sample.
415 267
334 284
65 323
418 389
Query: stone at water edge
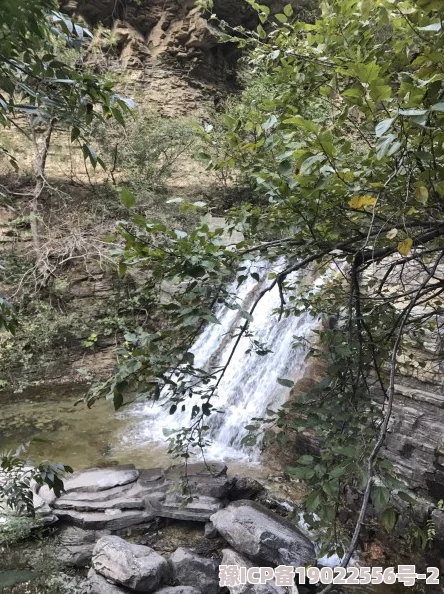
190 569
231 557
133 566
266 538
100 479
113 519
244 487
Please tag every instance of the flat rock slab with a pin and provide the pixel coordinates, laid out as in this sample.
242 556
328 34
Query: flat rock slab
173 506
132 566
129 490
199 468
100 479
97 506
266 538
105 521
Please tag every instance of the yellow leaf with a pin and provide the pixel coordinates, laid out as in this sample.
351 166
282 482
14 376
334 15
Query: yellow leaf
405 246
392 234
422 194
361 201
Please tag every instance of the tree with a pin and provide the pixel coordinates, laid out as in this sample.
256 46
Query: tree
40 92
345 152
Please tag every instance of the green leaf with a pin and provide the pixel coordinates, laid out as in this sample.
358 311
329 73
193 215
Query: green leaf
380 497
288 10
127 198
389 518
384 126
306 459
282 18
75 133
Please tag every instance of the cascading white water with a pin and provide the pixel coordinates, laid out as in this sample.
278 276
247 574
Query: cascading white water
249 386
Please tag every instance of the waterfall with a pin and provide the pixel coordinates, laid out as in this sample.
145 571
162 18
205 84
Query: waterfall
249 386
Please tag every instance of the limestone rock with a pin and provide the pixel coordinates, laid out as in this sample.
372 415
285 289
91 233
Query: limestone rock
190 569
132 566
100 479
210 530
244 487
93 506
231 557
75 546
263 536
172 506
111 520
99 585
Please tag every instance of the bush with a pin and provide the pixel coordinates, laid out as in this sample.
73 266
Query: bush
149 150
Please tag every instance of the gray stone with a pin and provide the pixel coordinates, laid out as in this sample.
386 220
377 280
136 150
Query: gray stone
75 545
438 520
113 520
178 590
263 536
129 490
174 506
231 557
190 569
210 530
93 506
243 487
100 479
132 566
99 585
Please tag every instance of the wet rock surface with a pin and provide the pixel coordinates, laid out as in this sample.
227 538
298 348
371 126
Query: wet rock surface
261 535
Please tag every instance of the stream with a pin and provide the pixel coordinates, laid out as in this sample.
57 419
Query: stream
61 432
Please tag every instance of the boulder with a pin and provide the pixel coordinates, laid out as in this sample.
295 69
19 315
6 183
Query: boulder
97 584
100 479
231 557
210 530
244 487
75 545
132 566
190 569
266 538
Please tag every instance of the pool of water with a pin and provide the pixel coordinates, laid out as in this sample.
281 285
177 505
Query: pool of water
13 577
